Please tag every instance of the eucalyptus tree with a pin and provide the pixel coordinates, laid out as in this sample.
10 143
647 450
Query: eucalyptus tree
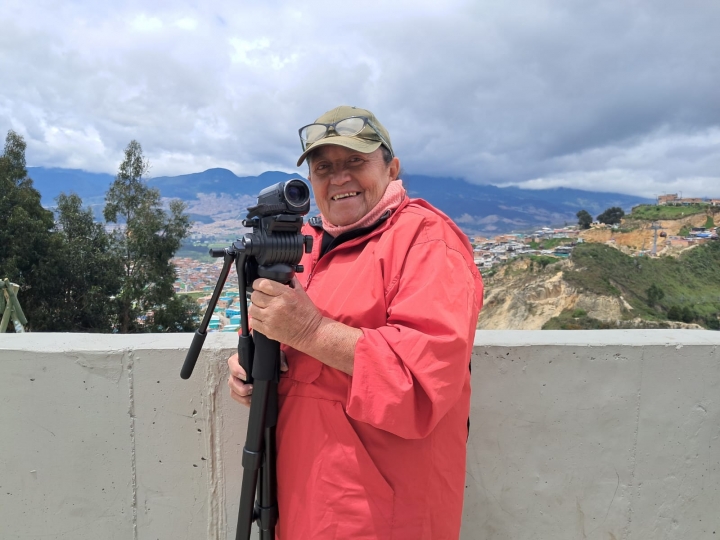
146 237
85 272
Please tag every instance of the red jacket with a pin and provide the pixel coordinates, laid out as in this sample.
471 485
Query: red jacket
381 454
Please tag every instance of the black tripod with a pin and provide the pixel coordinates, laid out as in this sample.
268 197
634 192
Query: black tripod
273 251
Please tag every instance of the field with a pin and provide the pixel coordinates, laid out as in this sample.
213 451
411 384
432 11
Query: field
652 212
550 243
195 294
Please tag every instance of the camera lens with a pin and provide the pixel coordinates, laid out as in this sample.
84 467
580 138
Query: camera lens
296 193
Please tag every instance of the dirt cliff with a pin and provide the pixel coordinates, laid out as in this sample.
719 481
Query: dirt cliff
523 296
520 297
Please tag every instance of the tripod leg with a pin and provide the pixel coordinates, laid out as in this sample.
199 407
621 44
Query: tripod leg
267 488
252 458
258 448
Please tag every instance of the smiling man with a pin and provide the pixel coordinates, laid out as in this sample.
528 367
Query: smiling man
378 333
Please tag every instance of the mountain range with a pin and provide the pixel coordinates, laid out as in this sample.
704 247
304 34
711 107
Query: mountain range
476 208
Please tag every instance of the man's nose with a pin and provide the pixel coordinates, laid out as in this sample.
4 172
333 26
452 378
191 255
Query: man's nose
341 176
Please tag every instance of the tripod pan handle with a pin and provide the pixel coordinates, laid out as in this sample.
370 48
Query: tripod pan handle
192 354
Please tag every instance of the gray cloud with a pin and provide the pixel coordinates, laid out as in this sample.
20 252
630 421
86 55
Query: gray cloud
612 96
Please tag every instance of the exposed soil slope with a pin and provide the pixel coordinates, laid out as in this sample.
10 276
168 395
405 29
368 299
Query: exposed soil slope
521 296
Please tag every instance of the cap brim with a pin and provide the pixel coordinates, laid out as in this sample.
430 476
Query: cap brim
353 143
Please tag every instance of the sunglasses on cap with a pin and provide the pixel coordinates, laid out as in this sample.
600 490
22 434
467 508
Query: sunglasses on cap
347 127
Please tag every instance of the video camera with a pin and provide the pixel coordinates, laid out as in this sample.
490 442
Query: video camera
271 250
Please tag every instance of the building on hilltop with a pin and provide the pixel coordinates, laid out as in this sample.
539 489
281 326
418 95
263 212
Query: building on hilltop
673 200
670 198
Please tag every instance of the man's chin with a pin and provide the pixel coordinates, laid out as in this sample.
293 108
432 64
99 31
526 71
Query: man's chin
343 220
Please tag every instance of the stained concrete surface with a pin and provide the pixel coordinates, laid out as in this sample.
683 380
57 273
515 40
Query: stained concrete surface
601 435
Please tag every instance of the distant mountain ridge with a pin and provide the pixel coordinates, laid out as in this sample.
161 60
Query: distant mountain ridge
477 209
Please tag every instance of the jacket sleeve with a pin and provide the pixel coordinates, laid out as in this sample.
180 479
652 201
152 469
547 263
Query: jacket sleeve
409 373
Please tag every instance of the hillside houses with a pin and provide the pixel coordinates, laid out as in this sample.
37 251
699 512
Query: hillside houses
196 276
490 252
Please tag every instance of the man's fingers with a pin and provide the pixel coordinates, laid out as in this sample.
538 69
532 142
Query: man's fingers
296 284
242 400
283 362
240 387
240 391
235 368
260 299
268 286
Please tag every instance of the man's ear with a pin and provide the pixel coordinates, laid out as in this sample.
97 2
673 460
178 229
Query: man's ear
394 168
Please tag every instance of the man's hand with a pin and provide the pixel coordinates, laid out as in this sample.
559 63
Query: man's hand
240 391
284 313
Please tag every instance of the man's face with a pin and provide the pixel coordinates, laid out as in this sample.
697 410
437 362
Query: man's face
348 184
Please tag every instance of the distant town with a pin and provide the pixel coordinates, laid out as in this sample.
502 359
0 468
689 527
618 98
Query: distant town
198 278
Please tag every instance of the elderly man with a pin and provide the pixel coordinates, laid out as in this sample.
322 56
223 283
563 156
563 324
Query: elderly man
378 333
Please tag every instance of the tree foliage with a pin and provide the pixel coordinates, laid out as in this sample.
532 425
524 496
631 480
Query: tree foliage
654 294
145 240
611 216
681 313
25 228
691 280
76 277
82 274
584 219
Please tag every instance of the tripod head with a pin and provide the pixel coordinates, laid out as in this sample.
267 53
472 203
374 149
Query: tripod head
271 250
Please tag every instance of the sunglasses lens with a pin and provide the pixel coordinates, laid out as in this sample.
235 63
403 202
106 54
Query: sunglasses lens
349 126
313 133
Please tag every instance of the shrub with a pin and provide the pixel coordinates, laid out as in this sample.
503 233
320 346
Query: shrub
654 294
543 260
712 322
674 313
611 216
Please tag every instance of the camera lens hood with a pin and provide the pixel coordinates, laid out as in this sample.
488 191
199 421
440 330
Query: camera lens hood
296 193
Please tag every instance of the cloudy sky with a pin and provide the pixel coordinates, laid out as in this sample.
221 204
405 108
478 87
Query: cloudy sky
612 95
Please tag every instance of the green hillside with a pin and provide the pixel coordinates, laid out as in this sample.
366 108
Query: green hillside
686 289
653 212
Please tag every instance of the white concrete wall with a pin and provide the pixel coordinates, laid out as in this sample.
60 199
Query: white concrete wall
600 435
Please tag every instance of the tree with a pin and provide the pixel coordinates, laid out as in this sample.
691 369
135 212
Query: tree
177 315
712 321
25 228
654 294
584 219
611 216
82 273
145 241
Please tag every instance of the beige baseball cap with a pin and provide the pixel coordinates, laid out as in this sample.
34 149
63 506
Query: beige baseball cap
370 138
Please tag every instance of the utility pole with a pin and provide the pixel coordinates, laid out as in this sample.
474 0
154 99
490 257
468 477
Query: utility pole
10 307
655 227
